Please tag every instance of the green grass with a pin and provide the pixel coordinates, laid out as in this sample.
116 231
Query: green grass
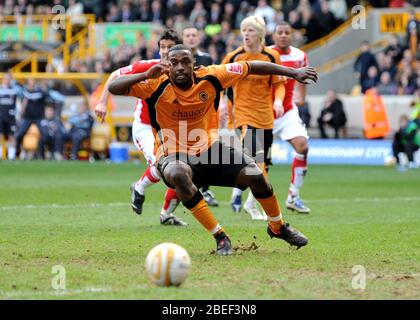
78 215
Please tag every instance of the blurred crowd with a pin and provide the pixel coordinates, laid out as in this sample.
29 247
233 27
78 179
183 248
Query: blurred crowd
218 20
394 70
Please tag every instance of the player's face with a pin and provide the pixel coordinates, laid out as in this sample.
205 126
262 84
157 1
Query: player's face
31 84
181 64
164 47
190 38
7 79
283 36
250 36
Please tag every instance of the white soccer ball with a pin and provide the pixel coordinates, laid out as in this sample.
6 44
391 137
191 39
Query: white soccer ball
168 264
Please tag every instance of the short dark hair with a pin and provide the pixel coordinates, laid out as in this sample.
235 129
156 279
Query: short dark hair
283 23
180 47
189 26
170 34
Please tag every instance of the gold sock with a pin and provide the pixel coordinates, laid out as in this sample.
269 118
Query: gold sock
202 213
272 209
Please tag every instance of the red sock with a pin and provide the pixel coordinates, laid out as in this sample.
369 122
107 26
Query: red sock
299 168
150 176
171 201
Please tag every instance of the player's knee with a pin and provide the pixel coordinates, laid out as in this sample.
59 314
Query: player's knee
255 178
302 148
178 175
260 184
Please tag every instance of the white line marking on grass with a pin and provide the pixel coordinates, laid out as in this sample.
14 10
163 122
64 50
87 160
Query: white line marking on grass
64 206
151 204
20 294
376 199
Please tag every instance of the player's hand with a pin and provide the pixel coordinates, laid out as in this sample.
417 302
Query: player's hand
157 70
278 108
304 74
100 111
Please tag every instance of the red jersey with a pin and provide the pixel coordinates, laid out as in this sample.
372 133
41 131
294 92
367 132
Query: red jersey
294 58
141 112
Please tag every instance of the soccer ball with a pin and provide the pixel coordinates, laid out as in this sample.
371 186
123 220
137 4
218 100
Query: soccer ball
168 264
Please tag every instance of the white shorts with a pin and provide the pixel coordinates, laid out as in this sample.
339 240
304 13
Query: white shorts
290 126
144 140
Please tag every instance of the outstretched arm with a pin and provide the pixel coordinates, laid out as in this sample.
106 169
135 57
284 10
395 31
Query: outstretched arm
100 108
122 84
267 68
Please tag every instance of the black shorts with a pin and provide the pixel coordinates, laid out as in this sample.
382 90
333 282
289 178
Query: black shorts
256 143
218 166
7 126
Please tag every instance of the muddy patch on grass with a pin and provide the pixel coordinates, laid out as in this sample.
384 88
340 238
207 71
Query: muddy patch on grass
242 247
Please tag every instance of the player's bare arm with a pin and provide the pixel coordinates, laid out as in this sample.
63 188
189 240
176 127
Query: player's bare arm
122 85
279 92
266 68
100 108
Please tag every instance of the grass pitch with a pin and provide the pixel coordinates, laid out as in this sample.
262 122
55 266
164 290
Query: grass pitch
78 215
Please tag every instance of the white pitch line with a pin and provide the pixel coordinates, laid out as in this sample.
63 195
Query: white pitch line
64 206
17 293
376 199
149 204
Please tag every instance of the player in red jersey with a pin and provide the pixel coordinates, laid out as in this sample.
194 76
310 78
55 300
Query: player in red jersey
288 125
143 135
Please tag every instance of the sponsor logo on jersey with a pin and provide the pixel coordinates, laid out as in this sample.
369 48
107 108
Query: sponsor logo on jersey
234 68
127 69
203 96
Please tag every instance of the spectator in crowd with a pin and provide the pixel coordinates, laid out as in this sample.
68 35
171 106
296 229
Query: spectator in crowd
371 80
8 7
191 38
229 14
412 30
81 126
406 140
339 10
394 49
289 5
33 108
326 19
144 13
332 114
179 8
407 80
114 14
9 93
386 85
310 24
389 66
157 15
75 11
266 12
363 63
96 7
54 132
215 13
128 13
198 11
242 13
